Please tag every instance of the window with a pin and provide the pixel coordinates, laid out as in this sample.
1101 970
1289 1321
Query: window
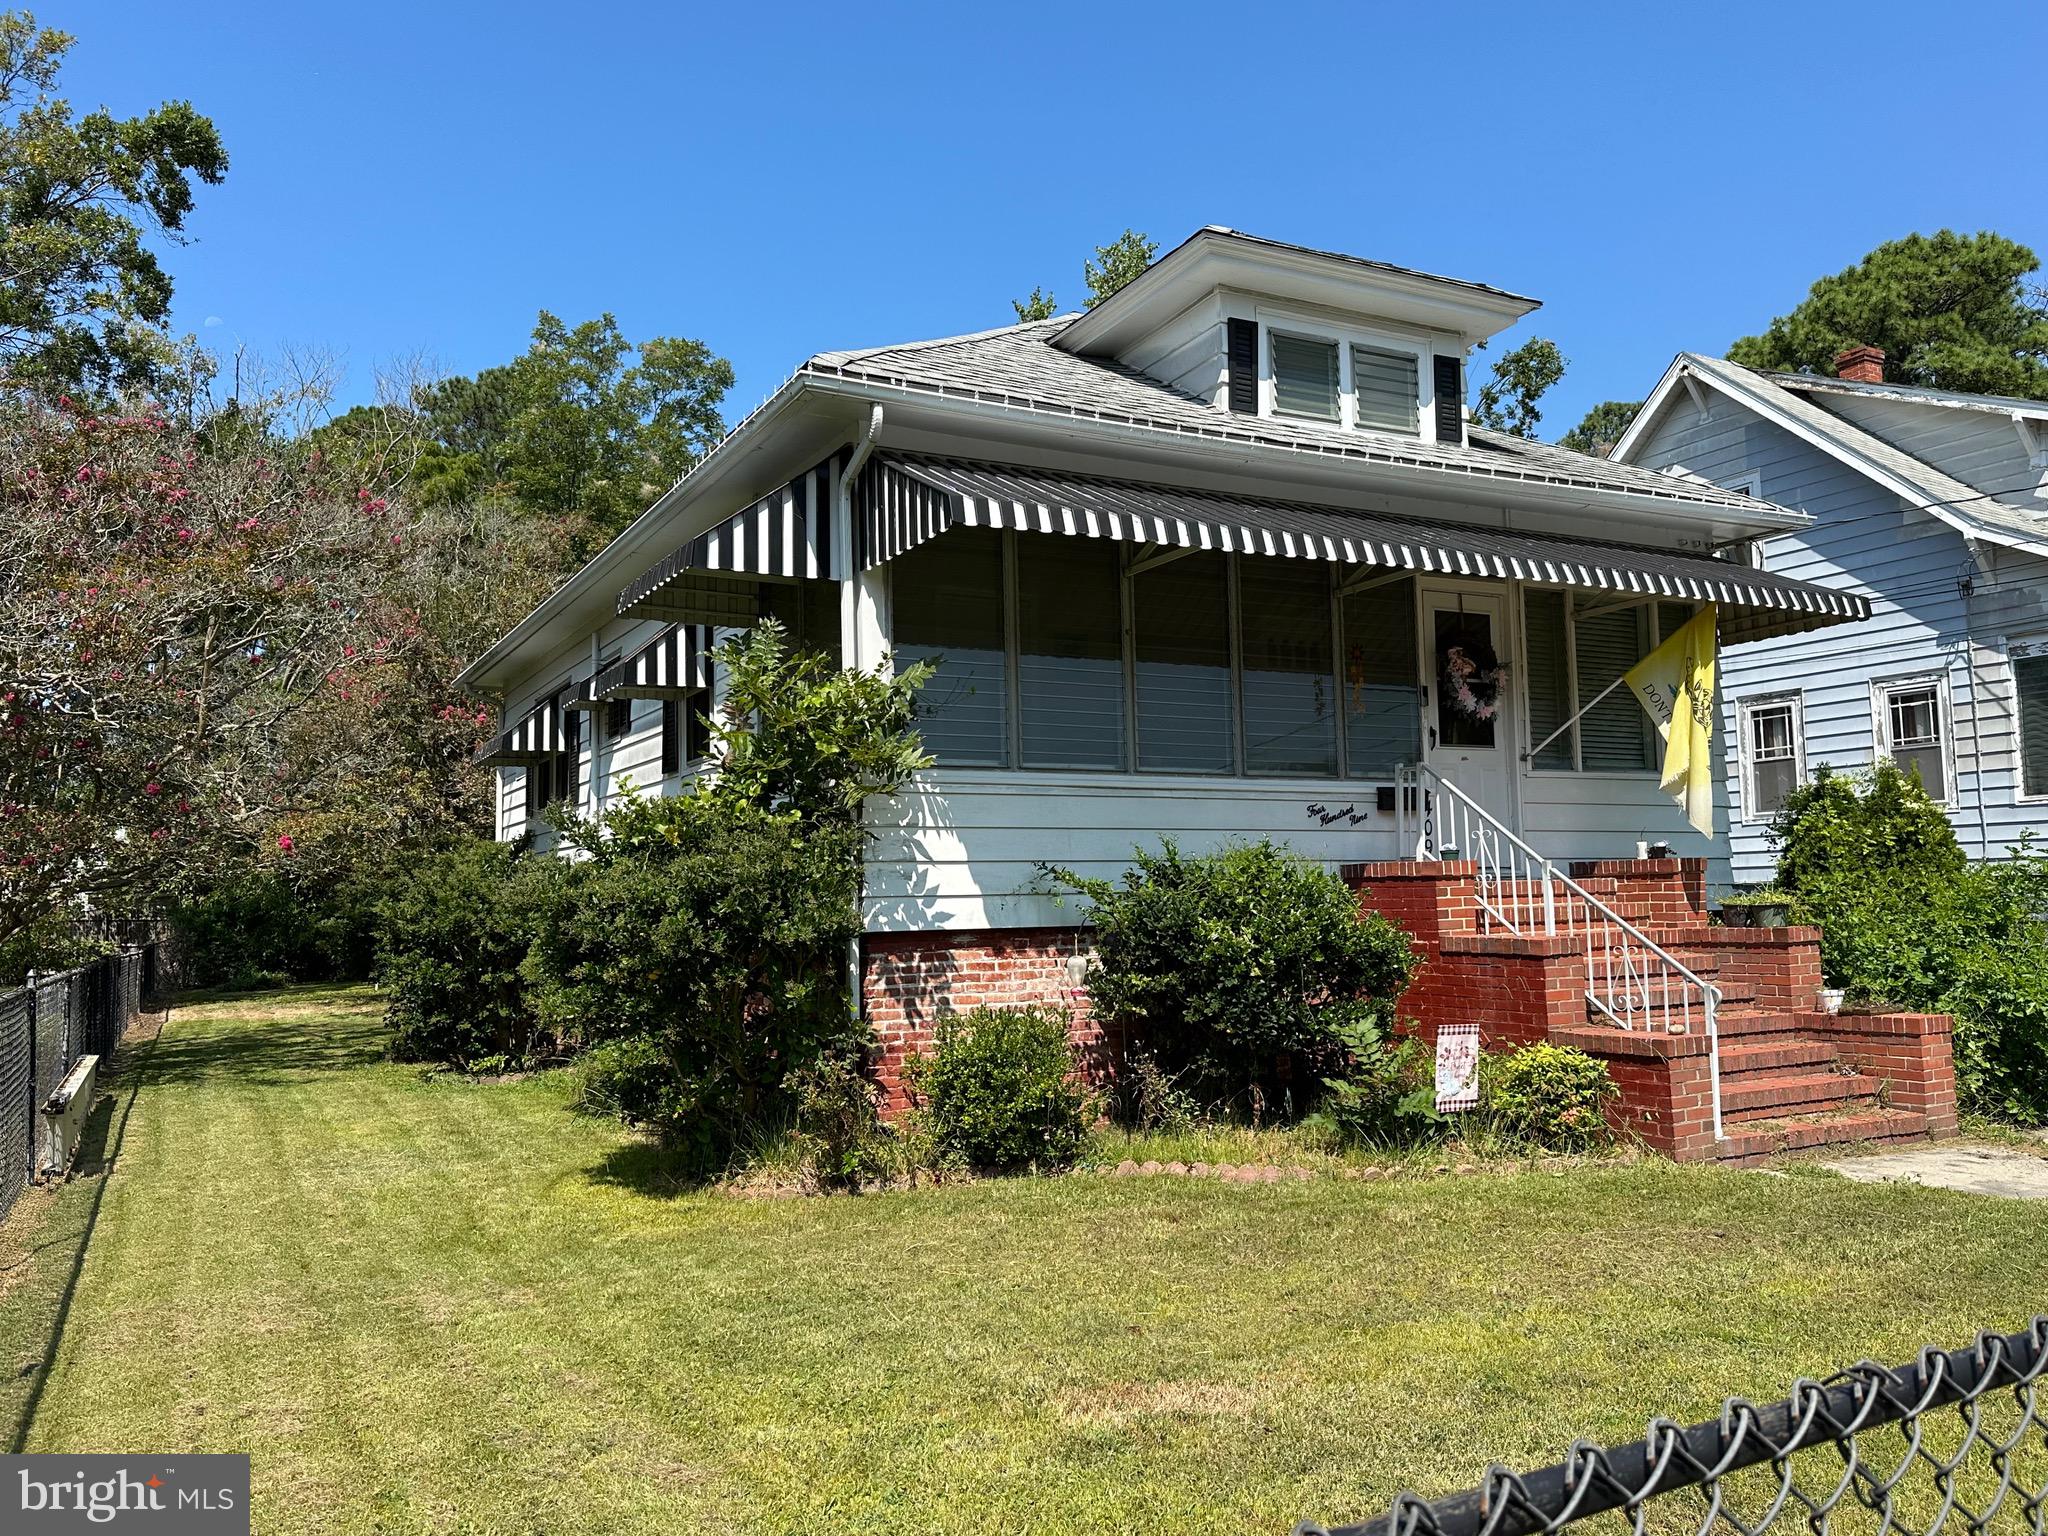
1569 657
1289 691
2030 685
1773 753
1387 387
1382 699
1304 377
685 730
947 597
618 719
1615 732
1187 713
1909 724
1070 652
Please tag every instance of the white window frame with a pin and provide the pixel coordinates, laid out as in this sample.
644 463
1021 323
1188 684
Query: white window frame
1745 710
1881 691
1344 337
2029 647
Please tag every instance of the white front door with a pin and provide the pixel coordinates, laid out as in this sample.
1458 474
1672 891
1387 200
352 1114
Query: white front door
1468 729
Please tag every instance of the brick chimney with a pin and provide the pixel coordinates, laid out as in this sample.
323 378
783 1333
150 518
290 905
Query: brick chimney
1860 365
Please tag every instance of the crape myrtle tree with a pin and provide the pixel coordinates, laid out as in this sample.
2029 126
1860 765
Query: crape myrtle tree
204 633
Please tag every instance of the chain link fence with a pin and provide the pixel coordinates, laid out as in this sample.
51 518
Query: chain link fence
45 1027
1955 1441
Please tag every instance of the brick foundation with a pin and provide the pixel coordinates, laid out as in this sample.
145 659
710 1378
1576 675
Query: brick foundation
909 979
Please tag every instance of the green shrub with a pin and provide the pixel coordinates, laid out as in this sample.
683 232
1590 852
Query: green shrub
839 1130
1244 972
1548 1097
999 1090
261 926
1907 922
1386 1098
715 932
452 939
627 1080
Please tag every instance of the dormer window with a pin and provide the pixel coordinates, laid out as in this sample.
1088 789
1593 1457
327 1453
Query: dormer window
1347 377
1305 380
1386 387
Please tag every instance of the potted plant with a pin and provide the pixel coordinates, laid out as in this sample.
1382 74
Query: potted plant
1830 999
1765 908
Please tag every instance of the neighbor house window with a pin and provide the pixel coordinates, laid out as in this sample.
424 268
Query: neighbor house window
1289 690
2030 684
1386 386
947 598
1070 652
1382 692
1187 712
1911 729
1773 754
1304 377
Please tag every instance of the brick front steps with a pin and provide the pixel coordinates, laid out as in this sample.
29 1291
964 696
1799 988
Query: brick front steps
1792 1078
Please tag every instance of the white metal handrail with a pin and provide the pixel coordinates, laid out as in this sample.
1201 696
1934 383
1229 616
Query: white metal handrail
1630 979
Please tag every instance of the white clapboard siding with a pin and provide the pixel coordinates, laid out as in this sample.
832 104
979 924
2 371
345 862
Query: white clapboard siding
1186 353
1910 566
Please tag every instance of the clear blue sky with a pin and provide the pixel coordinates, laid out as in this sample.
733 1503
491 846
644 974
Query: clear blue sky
781 179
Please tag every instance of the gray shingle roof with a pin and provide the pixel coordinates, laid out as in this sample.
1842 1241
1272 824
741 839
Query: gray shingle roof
1815 383
1017 365
1933 489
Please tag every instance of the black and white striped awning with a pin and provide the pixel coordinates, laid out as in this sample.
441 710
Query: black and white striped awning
901 501
538 736
673 665
785 536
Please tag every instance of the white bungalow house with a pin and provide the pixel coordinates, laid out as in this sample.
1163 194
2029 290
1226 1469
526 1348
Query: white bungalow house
1208 561
1932 506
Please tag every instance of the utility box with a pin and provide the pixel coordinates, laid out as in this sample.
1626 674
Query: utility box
62 1121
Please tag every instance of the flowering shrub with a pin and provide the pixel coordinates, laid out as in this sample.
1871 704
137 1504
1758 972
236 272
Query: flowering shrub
1548 1097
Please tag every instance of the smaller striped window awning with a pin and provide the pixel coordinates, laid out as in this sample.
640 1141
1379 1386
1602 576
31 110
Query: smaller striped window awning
903 500
785 536
673 665
538 736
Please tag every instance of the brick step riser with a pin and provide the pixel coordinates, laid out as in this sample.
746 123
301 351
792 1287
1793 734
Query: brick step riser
1786 1109
1757 1145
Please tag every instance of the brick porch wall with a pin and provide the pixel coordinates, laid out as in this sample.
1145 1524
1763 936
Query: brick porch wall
908 980
1910 1053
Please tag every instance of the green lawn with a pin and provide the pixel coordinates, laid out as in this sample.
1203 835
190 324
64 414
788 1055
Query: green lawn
438 1305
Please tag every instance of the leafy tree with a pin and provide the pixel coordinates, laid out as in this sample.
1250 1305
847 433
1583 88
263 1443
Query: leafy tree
1951 311
1118 264
1507 400
1601 427
190 620
80 294
1040 306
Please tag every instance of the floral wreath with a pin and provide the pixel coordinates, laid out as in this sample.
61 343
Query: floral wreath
1472 675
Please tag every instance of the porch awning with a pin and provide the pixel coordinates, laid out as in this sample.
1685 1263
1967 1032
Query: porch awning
535 738
785 536
903 500
673 665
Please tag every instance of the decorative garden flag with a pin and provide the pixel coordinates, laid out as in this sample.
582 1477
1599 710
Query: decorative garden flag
1457 1066
1675 683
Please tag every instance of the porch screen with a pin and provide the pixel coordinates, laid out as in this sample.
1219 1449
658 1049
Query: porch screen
1070 652
1187 718
1290 689
947 598
1382 699
1548 674
1616 732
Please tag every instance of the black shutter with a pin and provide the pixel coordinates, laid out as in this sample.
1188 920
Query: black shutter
1243 364
697 744
572 751
618 718
1450 399
671 736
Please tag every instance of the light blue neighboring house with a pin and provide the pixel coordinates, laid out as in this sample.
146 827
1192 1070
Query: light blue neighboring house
1934 506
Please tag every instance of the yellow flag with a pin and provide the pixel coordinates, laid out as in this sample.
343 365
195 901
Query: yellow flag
1675 683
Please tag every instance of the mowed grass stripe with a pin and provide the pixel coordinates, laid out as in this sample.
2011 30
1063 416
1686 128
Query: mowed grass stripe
441 1305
